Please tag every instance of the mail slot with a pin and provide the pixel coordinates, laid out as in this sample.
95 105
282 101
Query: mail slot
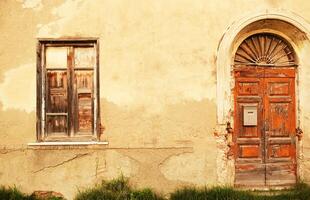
250 116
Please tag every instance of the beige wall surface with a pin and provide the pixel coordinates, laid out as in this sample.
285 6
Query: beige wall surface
157 91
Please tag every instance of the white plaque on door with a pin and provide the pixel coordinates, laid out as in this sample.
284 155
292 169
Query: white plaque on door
249 115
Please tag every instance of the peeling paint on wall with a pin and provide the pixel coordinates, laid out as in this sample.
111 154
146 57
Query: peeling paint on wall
64 14
186 167
18 90
116 164
33 4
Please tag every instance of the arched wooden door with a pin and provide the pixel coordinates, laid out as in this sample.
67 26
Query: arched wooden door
264 112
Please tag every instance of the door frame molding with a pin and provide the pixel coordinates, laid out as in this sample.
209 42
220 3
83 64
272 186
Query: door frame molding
228 45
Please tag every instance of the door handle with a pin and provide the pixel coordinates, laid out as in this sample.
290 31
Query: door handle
299 133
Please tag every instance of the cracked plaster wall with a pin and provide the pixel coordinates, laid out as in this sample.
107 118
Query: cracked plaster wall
158 99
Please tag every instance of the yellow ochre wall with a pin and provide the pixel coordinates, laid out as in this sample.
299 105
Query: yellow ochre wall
157 91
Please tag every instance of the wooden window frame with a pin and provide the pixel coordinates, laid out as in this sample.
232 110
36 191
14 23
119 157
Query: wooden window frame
41 90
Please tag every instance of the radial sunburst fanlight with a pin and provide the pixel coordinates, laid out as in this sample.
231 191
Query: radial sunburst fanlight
265 50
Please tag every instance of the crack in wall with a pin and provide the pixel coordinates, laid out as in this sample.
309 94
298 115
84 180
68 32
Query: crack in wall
174 155
63 162
100 167
97 162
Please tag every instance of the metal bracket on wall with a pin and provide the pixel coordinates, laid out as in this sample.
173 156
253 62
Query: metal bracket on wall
299 133
228 137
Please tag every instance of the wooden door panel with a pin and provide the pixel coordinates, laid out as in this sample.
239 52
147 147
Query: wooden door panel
279 151
280 174
249 167
248 72
248 138
278 88
280 131
248 87
249 131
249 151
249 174
279 73
279 124
265 152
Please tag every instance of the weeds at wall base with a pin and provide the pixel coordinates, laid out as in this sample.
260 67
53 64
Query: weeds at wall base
12 193
120 189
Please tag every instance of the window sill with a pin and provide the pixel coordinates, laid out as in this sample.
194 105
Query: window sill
33 144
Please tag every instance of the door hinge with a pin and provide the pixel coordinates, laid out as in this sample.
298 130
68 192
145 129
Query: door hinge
229 140
299 133
229 129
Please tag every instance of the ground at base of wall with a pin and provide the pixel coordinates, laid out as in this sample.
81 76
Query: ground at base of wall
12 193
120 189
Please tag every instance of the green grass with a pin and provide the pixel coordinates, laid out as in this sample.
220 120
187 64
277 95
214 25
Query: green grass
217 193
12 193
300 192
120 189
117 189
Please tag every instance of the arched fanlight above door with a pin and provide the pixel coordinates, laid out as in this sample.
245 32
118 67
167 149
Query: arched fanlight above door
265 49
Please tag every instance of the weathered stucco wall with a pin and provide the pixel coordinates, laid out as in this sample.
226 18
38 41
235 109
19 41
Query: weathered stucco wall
157 91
